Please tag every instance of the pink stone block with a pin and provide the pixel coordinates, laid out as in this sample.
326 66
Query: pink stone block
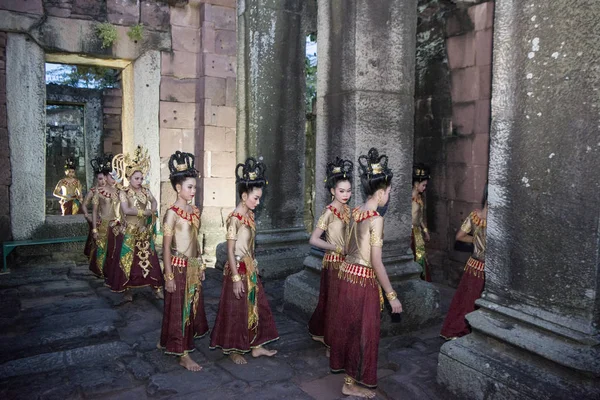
460 182
482 15
461 50
221 17
155 15
459 150
482 117
485 82
465 84
185 39
224 3
172 140
481 148
186 16
208 38
217 191
214 89
216 138
226 116
180 64
178 90
225 42
58 11
24 6
231 92
219 164
177 115
123 12
89 8
463 117
480 173
483 47
218 65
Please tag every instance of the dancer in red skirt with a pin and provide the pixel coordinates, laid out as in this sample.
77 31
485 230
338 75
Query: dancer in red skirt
138 264
105 211
420 233
183 317
334 221
69 190
355 341
100 181
473 230
244 322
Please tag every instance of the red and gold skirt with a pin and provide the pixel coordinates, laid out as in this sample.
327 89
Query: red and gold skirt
184 318
89 243
355 339
113 275
468 291
231 331
71 207
320 325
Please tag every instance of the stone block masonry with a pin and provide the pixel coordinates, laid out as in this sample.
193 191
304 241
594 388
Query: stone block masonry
5 175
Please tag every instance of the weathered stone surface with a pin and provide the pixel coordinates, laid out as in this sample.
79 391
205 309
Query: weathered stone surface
100 381
52 288
178 90
155 15
276 369
185 39
24 6
177 115
140 369
186 382
302 292
123 12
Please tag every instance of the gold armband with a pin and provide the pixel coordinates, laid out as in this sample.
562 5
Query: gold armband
94 230
140 214
391 296
236 278
425 230
170 276
338 249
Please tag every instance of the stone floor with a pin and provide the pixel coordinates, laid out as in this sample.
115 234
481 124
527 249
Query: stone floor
63 335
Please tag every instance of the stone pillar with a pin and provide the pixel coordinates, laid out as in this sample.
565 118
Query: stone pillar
366 75
535 334
271 123
26 109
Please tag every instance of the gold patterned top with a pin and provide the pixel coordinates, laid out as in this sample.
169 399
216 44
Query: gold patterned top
108 204
183 227
366 231
335 224
476 226
139 200
68 189
243 231
417 211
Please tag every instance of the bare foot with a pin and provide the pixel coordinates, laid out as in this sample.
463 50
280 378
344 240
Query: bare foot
238 359
327 352
189 364
318 339
158 293
355 390
158 346
261 351
127 297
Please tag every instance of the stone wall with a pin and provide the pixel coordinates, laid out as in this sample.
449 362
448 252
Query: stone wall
5 174
112 109
453 91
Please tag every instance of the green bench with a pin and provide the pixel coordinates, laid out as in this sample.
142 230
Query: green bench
8 247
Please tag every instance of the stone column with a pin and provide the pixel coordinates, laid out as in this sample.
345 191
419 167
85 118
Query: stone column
366 75
535 334
270 125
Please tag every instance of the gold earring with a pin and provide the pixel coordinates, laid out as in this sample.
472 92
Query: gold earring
332 197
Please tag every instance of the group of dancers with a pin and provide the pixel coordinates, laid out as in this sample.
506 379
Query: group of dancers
354 281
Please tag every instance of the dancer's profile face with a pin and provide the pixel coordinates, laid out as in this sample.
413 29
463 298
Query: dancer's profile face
342 191
101 179
136 179
252 199
385 197
422 186
110 180
187 189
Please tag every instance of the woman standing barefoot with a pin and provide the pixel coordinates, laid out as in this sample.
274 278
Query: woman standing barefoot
334 221
100 181
183 317
138 263
244 321
420 233
473 230
69 190
355 342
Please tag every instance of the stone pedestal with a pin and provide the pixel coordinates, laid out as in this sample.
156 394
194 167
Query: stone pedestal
271 124
365 95
536 335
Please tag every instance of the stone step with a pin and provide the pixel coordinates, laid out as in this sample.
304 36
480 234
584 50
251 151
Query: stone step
96 355
48 288
57 305
26 275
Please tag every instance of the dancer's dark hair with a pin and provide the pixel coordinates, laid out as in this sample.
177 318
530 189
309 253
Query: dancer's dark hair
338 171
250 175
420 173
374 172
70 163
181 167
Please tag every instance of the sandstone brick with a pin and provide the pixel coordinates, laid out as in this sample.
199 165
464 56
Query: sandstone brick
224 3
460 183
112 121
219 65
481 148
482 15
226 116
482 117
225 42
123 12
231 92
178 90
485 82
217 191
4 147
461 51
113 92
155 15
113 134
463 118
222 17
483 47
107 145
177 115
465 84
185 16
480 173
62 12
90 8
180 64
4 200
112 101
112 110
459 150
168 196
171 140
24 6
216 138
208 37
219 164
214 89
3 121
185 39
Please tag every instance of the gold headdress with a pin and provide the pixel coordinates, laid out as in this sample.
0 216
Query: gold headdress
124 165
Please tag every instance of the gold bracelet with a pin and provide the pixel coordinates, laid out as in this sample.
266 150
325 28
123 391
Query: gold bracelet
140 214
236 278
338 249
391 296
425 230
170 276
94 230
